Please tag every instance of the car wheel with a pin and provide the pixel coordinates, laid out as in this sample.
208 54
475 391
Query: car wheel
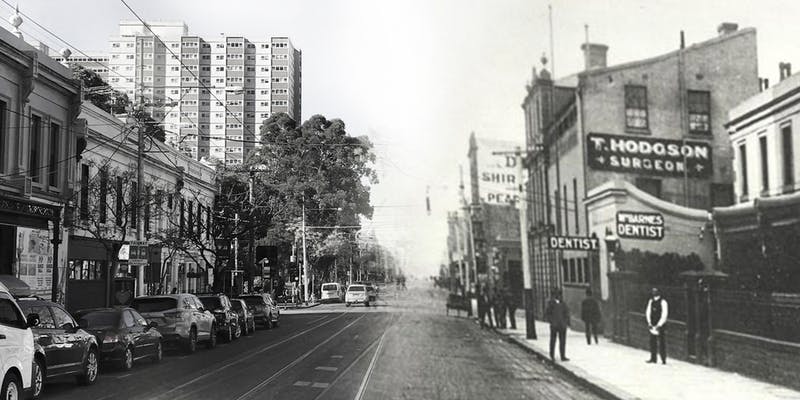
366 304
38 379
126 363
89 375
212 338
191 342
12 388
159 354
237 333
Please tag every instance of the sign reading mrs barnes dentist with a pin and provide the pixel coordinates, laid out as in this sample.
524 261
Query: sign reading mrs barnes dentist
652 156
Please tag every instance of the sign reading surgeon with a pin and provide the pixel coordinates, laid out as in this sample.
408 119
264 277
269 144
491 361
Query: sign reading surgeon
497 173
640 225
649 156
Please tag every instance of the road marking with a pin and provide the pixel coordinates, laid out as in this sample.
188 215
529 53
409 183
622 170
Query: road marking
363 388
320 318
320 385
240 360
296 361
322 368
302 383
337 356
355 337
122 376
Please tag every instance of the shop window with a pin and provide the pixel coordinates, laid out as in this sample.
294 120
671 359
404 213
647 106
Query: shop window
86 269
699 111
650 186
636 107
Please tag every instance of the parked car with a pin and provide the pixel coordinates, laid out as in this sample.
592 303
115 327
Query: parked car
21 377
68 350
123 334
182 319
265 310
247 319
227 320
356 294
331 292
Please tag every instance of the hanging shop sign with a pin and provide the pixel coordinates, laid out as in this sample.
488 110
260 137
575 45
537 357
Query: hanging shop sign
640 225
665 157
493 171
573 243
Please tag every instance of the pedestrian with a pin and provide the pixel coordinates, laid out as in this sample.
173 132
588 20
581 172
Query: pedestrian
499 308
174 290
557 314
590 314
657 313
511 307
483 305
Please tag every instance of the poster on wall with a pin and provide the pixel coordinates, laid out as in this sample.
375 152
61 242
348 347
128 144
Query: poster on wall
649 156
35 260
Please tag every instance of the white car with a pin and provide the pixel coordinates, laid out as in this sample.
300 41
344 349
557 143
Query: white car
16 349
331 292
356 294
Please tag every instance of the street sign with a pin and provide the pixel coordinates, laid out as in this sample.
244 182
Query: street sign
573 243
138 253
651 156
640 225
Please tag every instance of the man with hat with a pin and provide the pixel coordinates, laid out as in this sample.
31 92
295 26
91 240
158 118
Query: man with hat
657 312
557 313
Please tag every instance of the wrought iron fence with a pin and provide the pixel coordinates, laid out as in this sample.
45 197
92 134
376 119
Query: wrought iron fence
771 315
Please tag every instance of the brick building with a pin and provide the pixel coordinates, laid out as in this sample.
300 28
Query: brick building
656 123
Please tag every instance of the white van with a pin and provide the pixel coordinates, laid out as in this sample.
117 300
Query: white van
331 292
16 349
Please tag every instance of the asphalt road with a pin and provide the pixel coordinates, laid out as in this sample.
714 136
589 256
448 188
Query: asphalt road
403 348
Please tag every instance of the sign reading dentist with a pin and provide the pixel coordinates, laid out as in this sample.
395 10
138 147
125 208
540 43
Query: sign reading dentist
640 155
573 243
640 225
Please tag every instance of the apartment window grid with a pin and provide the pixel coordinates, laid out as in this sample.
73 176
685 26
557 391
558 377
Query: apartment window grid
636 107
699 103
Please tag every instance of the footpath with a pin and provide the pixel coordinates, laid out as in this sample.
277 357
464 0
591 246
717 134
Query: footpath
615 371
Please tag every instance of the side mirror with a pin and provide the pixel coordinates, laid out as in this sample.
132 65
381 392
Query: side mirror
32 320
152 324
69 328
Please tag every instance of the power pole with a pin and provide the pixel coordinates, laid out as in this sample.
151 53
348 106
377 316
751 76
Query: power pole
305 258
527 292
235 254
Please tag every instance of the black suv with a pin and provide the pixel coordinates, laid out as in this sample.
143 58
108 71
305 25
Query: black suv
226 317
68 349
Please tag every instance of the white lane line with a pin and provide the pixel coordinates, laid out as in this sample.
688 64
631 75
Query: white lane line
323 368
363 388
122 376
317 319
320 385
302 383
296 361
216 370
337 356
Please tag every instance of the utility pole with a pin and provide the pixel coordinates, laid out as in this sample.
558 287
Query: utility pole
140 175
527 281
305 258
468 244
252 246
235 254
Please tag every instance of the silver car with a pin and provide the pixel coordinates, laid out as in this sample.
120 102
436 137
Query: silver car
181 319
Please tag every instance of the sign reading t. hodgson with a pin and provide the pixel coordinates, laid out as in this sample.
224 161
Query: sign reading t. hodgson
653 156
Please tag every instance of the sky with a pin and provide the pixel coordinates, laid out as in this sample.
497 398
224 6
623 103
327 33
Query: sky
418 76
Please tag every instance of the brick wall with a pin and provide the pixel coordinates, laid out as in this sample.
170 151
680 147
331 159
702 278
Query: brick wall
770 360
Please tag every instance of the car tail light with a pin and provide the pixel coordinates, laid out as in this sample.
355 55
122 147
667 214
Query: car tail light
174 314
111 339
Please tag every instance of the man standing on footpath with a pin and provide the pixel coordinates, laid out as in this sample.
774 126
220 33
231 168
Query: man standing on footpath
657 312
511 307
499 307
590 314
557 314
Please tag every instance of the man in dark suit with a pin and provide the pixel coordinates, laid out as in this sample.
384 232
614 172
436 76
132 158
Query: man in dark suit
511 307
557 313
590 314
657 313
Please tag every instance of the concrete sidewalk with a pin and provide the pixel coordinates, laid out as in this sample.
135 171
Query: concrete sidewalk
618 371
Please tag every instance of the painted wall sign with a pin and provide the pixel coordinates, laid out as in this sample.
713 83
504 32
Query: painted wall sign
496 173
652 156
640 225
573 243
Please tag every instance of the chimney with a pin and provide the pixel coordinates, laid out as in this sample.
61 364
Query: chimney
785 69
594 55
726 28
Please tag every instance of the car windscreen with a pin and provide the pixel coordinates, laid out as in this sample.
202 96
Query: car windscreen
329 286
154 304
253 300
355 289
99 320
211 303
